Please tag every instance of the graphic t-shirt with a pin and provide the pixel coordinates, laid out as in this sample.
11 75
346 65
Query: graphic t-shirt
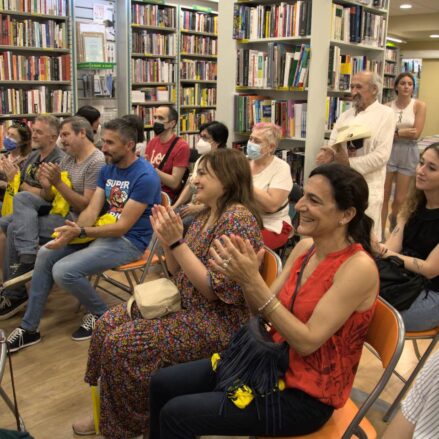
179 157
139 182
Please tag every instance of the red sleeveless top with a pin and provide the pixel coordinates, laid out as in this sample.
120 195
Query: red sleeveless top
328 373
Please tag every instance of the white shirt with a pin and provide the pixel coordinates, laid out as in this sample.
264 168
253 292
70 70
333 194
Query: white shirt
371 160
421 407
277 175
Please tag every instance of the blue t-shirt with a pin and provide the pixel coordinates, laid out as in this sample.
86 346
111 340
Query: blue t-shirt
139 182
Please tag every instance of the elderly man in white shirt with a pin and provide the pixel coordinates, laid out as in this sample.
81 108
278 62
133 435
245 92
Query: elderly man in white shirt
371 159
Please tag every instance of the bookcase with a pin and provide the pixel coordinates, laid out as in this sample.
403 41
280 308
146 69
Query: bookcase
391 70
36 58
198 51
342 37
413 66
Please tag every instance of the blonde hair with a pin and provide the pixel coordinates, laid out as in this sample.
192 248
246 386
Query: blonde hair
271 132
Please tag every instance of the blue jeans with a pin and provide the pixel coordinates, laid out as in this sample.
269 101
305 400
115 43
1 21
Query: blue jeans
423 313
69 268
25 229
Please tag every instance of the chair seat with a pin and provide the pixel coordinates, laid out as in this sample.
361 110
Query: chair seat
420 334
337 425
140 263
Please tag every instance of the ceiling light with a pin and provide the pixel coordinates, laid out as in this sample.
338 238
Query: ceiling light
395 40
406 6
434 36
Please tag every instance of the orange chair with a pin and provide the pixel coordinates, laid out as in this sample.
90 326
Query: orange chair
153 255
271 266
414 336
385 339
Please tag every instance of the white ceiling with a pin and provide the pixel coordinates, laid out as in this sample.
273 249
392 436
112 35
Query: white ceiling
419 7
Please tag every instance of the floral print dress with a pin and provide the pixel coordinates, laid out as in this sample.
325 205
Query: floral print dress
124 353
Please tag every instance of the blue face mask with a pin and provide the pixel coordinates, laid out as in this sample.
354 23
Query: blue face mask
253 151
9 144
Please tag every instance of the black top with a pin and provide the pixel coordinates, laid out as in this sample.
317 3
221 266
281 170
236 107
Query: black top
421 235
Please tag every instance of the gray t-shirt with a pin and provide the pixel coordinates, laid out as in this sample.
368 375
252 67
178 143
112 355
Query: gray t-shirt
29 172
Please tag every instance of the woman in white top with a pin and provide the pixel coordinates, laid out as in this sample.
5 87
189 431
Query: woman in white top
401 168
272 183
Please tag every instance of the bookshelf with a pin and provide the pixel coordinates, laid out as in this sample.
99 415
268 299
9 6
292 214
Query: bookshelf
391 70
336 53
198 51
36 59
413 66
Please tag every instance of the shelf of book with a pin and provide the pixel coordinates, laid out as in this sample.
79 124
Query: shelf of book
198 48
391 70
36 58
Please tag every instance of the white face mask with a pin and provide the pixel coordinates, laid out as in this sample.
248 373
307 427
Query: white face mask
203 146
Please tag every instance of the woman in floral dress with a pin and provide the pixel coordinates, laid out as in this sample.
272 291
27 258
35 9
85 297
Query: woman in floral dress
124 353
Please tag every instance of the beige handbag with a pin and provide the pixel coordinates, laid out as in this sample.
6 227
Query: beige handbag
155 298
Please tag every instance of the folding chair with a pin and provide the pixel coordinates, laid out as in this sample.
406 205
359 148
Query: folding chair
414 336
153 255
271 266
9 403
385 339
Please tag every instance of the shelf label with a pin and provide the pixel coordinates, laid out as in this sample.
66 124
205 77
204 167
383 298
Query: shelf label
202 8
96 65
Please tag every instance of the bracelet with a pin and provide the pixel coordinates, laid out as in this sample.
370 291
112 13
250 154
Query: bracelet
270 299
176 244
276 305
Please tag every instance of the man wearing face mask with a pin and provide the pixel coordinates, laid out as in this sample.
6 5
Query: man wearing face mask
371 159
213 135
168 153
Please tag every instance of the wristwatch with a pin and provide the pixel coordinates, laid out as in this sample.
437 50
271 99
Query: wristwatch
82 233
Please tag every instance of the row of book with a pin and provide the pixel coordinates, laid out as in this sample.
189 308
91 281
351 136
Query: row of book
390 69
354 24
153 43
198 21
389 82
199 45
380 4
341 67
47 7
285 19
96 84
34 68
146 113
289 114
35 101
153 94
152 70
153 15
29 33
191 120
191 139
198 95
334 107
273 69
198 70
391 55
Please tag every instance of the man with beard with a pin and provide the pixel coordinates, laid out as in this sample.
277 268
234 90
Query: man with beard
127 187
371 157
31 225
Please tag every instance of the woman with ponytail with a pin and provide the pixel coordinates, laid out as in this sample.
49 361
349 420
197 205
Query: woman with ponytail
319 308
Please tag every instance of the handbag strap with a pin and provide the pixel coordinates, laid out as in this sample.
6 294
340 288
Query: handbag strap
168 153
299 277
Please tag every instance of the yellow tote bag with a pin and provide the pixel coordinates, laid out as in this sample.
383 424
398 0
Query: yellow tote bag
11 190
60 206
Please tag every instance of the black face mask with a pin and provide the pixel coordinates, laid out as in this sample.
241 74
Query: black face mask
158 128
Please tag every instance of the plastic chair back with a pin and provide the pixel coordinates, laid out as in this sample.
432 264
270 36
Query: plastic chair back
271 266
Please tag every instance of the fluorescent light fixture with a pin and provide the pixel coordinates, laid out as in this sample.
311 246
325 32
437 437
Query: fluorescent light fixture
434 36
406 6
395 40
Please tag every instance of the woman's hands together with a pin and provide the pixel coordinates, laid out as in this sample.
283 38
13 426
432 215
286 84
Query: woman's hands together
236 258
167 224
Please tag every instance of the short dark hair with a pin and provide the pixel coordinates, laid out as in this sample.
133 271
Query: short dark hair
79 123
138 122
126 129
218 131
90 113
172 113
403 75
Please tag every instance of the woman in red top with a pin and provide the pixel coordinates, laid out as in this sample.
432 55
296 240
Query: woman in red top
325 329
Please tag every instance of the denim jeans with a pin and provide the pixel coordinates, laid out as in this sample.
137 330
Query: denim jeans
423 313
25 229
69 268
184 404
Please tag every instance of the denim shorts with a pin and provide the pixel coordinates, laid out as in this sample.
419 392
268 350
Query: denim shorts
404 158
